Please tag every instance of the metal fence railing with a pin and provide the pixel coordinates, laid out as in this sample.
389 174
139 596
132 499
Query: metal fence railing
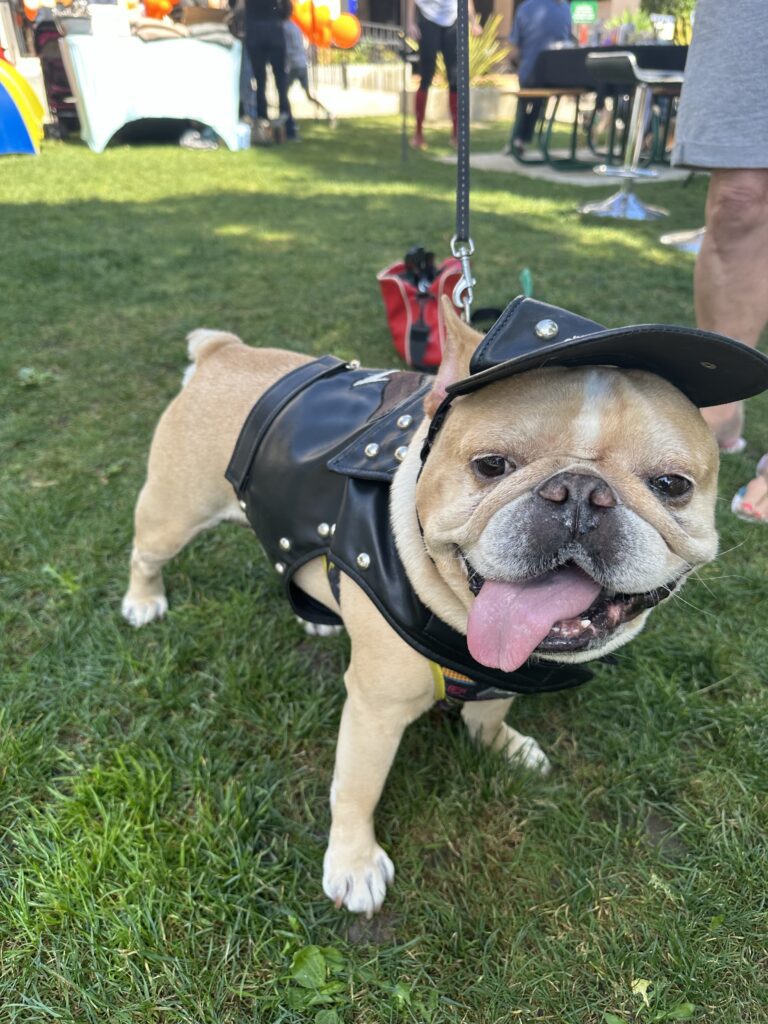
375 63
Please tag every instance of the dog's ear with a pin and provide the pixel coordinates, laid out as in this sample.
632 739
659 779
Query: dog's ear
461 340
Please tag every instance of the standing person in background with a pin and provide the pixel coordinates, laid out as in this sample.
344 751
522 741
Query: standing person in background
433 24
296 68
722 127
538 24
247 94
265 41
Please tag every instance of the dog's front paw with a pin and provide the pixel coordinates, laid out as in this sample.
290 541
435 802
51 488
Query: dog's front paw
525 751
357 881
140 612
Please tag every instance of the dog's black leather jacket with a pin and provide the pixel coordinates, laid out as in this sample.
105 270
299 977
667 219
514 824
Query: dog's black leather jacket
312 469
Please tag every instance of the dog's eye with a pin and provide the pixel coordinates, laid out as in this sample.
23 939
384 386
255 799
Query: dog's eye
670 485
488 467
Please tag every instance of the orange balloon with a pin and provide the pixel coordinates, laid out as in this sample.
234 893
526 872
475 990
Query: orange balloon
321 37
345 31
302 16
31 7
322 16
157 8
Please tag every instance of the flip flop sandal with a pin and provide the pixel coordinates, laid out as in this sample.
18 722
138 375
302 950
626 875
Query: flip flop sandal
745 509
734 448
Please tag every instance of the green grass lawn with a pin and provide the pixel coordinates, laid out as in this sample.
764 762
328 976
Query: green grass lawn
163 793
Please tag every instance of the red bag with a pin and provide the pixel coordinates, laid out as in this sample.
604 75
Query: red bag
415 317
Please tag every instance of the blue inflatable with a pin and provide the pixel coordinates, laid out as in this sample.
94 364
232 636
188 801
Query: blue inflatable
21 114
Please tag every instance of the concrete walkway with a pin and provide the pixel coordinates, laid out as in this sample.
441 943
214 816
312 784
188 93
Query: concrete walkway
543 172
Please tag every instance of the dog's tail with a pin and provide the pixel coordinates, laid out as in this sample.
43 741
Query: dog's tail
201 343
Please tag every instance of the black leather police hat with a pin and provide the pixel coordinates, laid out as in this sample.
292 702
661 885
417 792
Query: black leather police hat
709 368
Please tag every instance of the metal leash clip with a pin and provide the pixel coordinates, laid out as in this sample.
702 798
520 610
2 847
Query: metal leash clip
462 293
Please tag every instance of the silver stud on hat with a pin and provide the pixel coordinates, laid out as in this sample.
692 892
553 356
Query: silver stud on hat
323 529
371 450
709 366
546 329
242 505
401 452
285 544
279 568
363 560
404 421
353 364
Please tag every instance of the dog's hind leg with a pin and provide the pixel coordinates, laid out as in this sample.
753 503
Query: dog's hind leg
185 493
485 721
163 528
156 540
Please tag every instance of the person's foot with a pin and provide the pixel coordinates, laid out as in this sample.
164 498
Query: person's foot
735 447
418 142
290 128
751 502
261 133
516 147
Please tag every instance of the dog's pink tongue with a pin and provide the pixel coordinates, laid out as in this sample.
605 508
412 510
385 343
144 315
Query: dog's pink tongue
509 620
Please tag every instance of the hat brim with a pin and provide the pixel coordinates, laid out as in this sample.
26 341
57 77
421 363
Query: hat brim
709 368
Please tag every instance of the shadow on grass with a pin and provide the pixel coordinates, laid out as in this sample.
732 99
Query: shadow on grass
164 791
290 270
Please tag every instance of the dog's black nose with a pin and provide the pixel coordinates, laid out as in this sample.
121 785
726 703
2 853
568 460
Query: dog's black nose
582 488
581 498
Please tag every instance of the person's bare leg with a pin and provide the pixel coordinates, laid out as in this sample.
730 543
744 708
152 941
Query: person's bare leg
730 292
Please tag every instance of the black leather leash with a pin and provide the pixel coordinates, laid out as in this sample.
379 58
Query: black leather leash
462 245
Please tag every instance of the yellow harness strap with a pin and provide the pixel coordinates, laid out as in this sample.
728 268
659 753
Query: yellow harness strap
438 679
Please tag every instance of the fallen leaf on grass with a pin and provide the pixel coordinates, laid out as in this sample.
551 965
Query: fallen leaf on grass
640 988
64 579
113 470
683 1011
29 377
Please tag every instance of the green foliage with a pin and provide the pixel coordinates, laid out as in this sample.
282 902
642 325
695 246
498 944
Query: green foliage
679 8
682 11
487 52
639 19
